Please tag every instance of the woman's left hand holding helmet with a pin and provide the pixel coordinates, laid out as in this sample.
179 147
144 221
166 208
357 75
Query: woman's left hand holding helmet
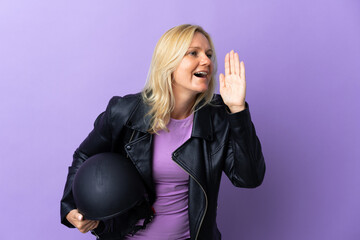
233 84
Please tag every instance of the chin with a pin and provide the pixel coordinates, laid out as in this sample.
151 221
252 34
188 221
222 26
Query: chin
202 89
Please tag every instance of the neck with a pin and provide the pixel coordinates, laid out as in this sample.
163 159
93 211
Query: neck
183 106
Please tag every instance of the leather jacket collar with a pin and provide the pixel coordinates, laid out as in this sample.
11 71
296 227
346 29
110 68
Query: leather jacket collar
202 126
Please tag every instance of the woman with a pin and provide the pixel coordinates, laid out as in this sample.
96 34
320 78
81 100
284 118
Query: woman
180 136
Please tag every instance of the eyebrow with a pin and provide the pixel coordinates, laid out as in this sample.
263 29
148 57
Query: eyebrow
200 48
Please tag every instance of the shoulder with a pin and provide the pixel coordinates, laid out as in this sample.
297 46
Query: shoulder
125 100
122 106
123 103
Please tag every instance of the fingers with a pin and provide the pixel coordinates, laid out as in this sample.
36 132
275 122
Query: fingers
227 64
96 224
88 225
79 216
242 70
237 64
233 64
78 221
73 215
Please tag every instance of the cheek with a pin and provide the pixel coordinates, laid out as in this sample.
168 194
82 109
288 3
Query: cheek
188 65
212 67
185 69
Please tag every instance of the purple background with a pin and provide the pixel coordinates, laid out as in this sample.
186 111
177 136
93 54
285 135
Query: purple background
61 61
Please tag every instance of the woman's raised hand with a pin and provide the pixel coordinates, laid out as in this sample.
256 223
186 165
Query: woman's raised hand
78 221
233 84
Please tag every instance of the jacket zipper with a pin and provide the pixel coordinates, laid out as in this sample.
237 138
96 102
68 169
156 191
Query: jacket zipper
206 199
132 135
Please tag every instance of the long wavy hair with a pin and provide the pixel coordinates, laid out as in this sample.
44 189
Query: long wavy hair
168 53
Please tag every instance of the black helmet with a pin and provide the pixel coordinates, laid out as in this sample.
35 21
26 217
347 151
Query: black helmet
107 185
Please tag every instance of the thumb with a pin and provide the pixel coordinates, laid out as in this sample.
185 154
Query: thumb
80 217
222 80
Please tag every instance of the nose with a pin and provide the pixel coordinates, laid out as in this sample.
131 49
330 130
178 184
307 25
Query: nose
205 60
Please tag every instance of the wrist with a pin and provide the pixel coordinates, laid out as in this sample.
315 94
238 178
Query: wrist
235 109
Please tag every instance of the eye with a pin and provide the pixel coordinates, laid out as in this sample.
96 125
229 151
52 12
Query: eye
209 55
193 53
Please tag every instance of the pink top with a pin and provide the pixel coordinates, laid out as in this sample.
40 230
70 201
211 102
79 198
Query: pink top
171 181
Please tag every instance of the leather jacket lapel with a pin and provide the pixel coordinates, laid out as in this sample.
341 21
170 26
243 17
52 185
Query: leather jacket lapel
140 153
139 148
139 118
202 126
189 157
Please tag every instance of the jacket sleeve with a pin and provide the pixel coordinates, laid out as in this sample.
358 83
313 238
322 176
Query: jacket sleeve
244 163
99 140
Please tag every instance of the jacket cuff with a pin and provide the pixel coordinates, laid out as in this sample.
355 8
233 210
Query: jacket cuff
65 209
240 119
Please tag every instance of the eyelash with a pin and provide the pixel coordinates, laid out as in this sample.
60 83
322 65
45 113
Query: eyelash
194 53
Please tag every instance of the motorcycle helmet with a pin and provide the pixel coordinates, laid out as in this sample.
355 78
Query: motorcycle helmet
107 185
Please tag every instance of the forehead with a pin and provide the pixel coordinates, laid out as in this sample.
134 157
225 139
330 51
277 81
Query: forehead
200 41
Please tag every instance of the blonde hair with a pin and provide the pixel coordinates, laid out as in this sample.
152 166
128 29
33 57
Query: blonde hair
168 53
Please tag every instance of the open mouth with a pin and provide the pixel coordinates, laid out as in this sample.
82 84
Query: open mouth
201 74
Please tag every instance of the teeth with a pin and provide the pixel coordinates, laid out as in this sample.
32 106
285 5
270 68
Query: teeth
200 74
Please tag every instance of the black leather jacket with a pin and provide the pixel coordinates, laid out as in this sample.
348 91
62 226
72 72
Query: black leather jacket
219 142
